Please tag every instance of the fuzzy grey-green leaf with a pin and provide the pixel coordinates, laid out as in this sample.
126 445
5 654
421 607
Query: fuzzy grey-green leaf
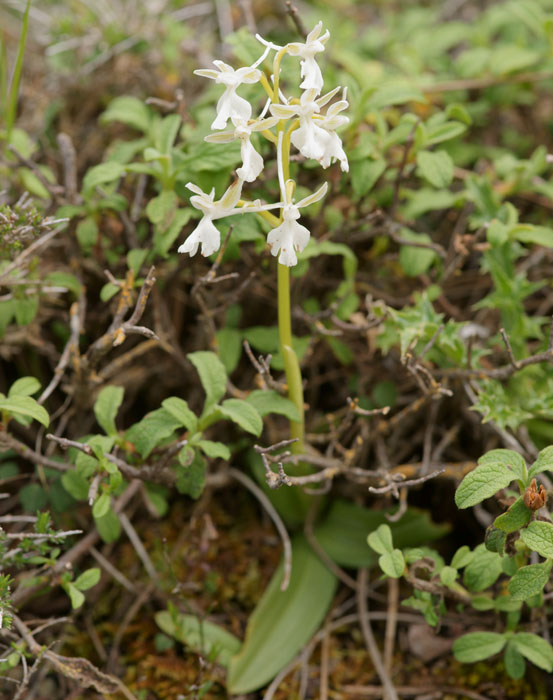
535 649
243 414
106 406
539 537
482 483
476 646
529 580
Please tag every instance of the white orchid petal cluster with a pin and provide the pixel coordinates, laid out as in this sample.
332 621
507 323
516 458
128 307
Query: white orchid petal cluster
299 122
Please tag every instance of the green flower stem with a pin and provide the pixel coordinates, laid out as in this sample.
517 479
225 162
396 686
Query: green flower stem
291 364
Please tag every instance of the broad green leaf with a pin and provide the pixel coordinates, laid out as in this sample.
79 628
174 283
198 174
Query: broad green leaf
75 595
130 111
444 132
136 258
25 386
101 505
381 539
212 376
161 209
516 517
510 459
87 579
528 233
33 497
392 563
214 449
538 536
436 167
202 636
483 482
178 408
102 174
495 540
108 291
229 346
75 484
87 233
365 173
394 94
535 649
544 462
477 646
108 526
482 602
25 406
483 570
167 132
514 661
268 401
343 532
448 575
106 406
191 477
283 621
462 557
243 414
151 430
529 580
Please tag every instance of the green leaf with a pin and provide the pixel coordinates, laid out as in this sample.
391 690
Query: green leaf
243 414
229 347
535 649
108 291
25 406
394 94
167 133
178 408
161 209
462 557
212 376
33 497
477 646
266 402
214 449
273 635
516 517
538 536
495 540
381 539
101 175
543 463
87 579
436 167
25 386
448 575
191 477
136 258
483 482
529 580
75 484
365 173
106 406
101 505
392 563
151 430
76 597
87 233
108 526
202 636
130 111
483 570
514 661
509 459
415 261
528 233
342 534
444 132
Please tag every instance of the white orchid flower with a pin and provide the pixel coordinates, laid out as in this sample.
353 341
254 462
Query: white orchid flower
230 104
252 162
310 71
330 122
312 138
206 233
290 236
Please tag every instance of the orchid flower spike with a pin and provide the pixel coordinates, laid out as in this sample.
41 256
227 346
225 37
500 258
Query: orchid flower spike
330 122
231 105
252 162
310 71
206 233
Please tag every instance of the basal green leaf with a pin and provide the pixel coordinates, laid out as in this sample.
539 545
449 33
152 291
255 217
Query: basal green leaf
243 414
268 401
212 376
535 649
178 408
529 580
516 517
538 536
130 111
155 427
476 646
283 621
106 406
483 482
102 174
202 636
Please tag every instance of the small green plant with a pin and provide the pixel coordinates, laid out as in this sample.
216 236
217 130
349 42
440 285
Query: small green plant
499 575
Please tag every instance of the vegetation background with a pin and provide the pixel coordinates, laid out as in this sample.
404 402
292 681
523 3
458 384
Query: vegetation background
140 542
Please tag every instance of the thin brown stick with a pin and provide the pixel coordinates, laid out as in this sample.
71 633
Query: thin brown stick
391 623
295 16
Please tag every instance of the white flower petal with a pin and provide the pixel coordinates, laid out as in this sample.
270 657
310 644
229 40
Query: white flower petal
230 199
310 140
313 78
205 234
312 198
252 162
